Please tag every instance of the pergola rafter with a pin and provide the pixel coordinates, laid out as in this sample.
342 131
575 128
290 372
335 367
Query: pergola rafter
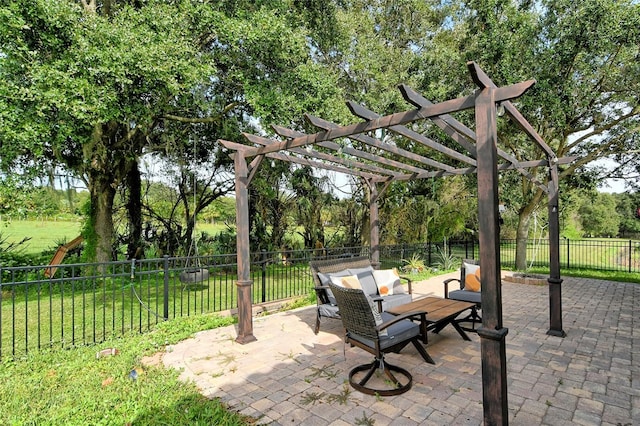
320 150
352 151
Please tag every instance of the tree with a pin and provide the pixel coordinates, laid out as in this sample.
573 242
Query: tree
377 48
270 206
308 203
583 56
93 86
598 216
627 206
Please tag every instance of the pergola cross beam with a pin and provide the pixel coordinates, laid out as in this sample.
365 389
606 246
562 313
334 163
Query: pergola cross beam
446 107
323 124
459 132
288 133
363 112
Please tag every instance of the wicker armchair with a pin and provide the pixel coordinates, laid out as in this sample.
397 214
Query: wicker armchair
388 333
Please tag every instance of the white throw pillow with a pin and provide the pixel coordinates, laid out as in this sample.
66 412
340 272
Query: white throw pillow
386 280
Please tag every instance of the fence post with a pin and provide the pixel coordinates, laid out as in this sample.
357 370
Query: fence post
630 256
165 313
264 275
568 251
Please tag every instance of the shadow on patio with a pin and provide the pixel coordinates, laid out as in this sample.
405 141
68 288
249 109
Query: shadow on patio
291 376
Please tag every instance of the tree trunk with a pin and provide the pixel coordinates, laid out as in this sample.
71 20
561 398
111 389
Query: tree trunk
522 235
102 195
106 169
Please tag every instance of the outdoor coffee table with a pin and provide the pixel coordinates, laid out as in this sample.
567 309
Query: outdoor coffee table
440 313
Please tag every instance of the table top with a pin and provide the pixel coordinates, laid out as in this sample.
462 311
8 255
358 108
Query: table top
437 308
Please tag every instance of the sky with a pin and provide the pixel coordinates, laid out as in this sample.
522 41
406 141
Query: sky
612 186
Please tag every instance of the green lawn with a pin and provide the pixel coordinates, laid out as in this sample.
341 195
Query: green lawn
44 235
75 387
47 235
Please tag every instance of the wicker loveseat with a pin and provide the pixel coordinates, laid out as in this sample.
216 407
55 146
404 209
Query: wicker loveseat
324 270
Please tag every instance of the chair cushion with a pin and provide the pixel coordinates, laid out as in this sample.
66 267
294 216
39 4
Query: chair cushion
394 300
326 278
330 311
471 277
466 296
365 276
352 281
398 332
386 280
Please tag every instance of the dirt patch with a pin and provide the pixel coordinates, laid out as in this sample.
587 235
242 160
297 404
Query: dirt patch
154 360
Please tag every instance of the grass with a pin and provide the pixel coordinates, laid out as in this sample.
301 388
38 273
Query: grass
45 235
41 314
617 276
76 388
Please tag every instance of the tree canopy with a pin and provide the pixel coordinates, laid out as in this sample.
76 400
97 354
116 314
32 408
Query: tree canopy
92 87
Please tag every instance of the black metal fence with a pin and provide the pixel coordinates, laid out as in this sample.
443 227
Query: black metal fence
80 304
594 254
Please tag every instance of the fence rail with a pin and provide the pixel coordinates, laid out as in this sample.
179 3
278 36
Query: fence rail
86 303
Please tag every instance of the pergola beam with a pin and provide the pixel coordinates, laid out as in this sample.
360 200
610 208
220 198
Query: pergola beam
483 80
367 114
288 133
311 153
446 107
353 168
458 131
323 124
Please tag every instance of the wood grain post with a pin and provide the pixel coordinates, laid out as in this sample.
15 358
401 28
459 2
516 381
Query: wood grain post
492 334
244 283
555 282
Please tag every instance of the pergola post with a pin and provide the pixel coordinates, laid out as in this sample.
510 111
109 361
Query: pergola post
245 320
374 221
492 334
554 280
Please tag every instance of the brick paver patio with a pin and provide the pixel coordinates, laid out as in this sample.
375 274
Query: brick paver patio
291 376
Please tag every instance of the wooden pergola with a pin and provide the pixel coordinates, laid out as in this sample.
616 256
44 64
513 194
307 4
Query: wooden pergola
389 164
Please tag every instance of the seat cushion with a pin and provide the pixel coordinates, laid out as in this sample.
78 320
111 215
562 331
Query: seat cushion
330 311
394 300
398 332
466 296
